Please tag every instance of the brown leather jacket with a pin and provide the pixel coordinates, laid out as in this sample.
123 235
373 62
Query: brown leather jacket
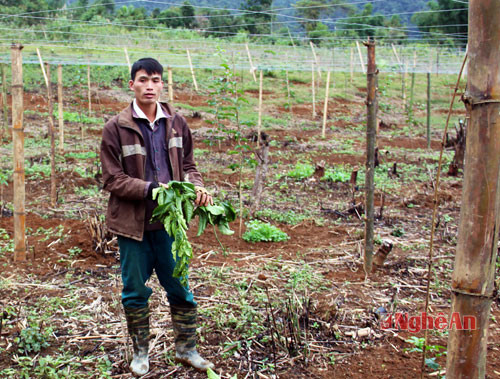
123 159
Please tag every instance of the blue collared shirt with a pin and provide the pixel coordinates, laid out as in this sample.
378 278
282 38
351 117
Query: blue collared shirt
157 160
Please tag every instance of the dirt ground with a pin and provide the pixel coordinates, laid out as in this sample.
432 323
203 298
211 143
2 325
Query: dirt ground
62 259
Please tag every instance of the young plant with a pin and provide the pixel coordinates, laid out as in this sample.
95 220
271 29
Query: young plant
258 231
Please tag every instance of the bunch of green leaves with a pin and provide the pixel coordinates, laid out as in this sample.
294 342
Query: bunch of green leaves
33 339
176 209
301 171
258 231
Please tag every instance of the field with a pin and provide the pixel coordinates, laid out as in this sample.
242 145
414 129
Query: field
299 308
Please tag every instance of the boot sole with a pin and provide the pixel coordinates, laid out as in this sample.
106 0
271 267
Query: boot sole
188 363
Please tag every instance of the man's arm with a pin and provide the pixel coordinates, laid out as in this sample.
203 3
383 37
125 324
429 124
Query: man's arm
114 178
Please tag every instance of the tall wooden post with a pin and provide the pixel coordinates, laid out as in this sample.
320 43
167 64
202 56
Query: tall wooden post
127 59
60 107
410 103
361 62
476 255
18 145
53 193
89 90
252 69
259 121
371 128
325 108
192 70
313 92
4 98
428 110
170 85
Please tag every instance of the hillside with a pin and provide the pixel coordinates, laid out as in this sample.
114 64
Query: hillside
386 7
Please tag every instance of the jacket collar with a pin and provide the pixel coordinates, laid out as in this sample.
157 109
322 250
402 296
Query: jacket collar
125 117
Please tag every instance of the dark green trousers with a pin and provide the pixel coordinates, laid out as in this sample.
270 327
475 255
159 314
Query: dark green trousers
138 259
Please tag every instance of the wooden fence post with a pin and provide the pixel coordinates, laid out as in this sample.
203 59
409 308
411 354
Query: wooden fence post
60 107
371 127
313 92
170 85
428 110
252 69
259 121
192 70
472 284
128 60
5 103
325 108
89 90
316 60
18 147
53 193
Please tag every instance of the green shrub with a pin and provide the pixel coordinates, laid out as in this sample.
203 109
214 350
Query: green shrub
258 231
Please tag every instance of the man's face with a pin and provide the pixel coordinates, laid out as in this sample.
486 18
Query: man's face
147 88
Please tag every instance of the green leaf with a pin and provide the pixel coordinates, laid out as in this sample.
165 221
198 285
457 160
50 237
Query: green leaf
202 223
215 209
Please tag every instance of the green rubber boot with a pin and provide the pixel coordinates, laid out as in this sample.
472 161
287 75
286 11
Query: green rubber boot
138 328
184 322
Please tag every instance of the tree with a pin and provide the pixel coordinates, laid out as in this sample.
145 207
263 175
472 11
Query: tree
187 11
258 16
312 11
366 24
445 23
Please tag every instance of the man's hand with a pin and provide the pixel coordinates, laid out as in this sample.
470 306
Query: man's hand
203 198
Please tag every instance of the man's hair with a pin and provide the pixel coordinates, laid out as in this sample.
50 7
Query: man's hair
150 65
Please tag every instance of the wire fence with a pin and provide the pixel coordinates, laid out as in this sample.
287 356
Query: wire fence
206 55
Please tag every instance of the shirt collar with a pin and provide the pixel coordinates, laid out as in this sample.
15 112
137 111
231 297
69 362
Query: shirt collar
138 113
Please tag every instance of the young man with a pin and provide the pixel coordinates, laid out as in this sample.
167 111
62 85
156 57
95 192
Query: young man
143 147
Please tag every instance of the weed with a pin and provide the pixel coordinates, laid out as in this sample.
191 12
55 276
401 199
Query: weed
33 339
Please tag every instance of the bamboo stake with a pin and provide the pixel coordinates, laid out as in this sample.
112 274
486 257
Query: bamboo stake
396 54
60 107
128 59
361 58
192 70
18 146
313 92
371 127
4 99
315 59
53 193
291 39
325 109
252 69
89 90
170 85
41 65
472 285
259 122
